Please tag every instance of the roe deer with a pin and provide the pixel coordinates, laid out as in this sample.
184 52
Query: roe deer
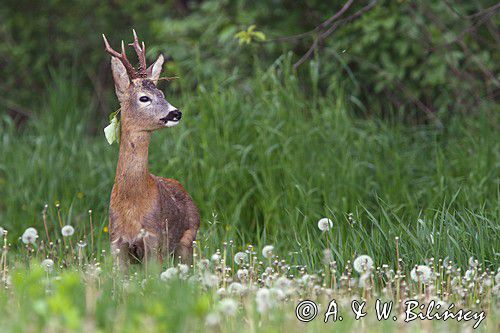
149 216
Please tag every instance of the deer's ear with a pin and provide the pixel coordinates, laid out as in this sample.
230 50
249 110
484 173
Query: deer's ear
154 70
120 76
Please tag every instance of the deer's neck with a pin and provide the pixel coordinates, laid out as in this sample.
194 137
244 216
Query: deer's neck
132 174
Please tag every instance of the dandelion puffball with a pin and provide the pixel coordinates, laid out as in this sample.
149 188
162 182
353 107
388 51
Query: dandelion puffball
32 231
2 231
363 263
210 280
228 307
29 236
169 274
267 251
183 269
240 258
263 300
421 273
212 319
67 231
48 265
235 288
325 224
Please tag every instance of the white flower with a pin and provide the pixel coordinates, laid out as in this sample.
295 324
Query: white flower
210 280
325 224
215 257
31 230
212 319
67 231
242 274
363 263
472 262
267 251
48 265
283 283
29 236
421 273
204 264
277 294
228 307
240 258
221 292
169 274
263 300
183 269
469 274
235 288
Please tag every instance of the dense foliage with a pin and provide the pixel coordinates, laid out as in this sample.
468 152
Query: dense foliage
428 59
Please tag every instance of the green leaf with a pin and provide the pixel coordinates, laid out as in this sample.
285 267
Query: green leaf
112 131
259 35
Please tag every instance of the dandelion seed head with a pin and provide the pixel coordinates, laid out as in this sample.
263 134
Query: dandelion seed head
48 265
215 257
242 274
263 300
283 283
421 273
240 258
29 236
183 269
221 292
267 251
277 294
204 264
363 263
212 319
228 306
235 288
210 280
469 274
32 231
67 231
325 224
169 274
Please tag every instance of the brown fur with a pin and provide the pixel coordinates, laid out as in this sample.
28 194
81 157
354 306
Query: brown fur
150 217
140 200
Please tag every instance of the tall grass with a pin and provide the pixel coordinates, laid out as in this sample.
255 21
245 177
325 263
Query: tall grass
264 161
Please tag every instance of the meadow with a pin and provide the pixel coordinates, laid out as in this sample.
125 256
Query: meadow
265 161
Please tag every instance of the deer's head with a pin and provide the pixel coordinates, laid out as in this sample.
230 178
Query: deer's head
143 105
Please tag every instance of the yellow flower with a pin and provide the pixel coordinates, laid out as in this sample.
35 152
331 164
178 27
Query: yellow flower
79 195
105 229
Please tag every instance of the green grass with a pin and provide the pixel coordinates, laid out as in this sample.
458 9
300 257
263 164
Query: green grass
264 162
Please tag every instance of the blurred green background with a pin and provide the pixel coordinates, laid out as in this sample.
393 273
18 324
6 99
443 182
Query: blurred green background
390 128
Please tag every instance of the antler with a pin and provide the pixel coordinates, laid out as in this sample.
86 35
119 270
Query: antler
141 54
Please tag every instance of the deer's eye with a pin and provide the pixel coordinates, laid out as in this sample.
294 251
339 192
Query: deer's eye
145 99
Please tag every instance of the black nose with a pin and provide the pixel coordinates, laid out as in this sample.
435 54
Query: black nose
174 115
